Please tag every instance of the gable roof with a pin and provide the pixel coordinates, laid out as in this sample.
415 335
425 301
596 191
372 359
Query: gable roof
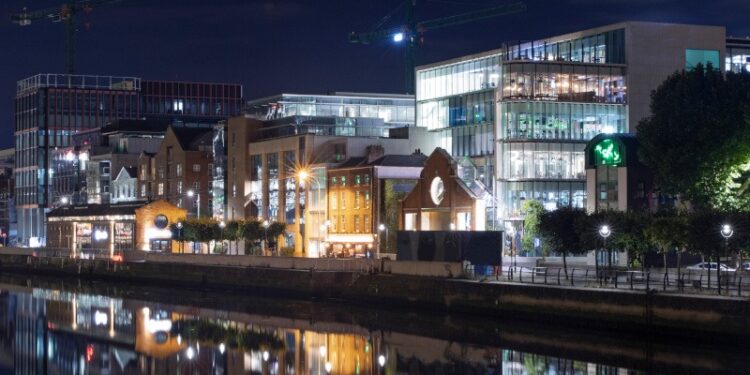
130 172
413 160
191 139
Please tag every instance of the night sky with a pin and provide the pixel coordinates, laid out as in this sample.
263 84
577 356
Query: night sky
297 46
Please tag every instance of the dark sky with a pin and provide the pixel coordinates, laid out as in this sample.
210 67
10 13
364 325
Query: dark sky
297 45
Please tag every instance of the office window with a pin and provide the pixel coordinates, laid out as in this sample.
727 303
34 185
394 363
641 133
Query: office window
178 169
196 186
179 187
367 199
143 190
333 200
343 200
356 223
693 57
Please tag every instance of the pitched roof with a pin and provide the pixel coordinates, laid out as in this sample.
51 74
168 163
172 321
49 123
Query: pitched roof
413 160
131 172
191 138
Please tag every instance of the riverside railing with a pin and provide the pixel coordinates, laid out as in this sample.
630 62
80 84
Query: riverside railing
733 283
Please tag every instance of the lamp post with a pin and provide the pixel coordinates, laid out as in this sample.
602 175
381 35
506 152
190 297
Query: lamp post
605 232
64 201
324 236
383 228
726 232
179 235
191 193
222 225
265 233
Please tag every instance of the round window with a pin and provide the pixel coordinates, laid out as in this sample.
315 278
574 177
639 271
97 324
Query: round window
161 221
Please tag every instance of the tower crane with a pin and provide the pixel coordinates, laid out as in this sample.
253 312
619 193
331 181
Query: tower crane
65 13
411 32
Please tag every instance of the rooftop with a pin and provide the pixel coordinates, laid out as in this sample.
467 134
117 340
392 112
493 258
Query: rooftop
79 82
139 126
193 138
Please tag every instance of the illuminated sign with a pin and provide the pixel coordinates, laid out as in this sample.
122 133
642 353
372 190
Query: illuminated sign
607 152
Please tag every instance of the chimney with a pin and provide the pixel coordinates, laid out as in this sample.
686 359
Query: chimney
374 152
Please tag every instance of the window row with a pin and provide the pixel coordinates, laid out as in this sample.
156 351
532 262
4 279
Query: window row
468 140
566 121
607 47
363 179
566 83
542 161
388 113
337 200
552 194
471 109
737 60
458 78
359 224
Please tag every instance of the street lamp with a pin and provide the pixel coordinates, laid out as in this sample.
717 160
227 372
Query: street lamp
191 193
64 201
383 228
179 235
265 232
605 232
726 232
222 225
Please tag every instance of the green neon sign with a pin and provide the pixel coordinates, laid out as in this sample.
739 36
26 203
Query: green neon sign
607 152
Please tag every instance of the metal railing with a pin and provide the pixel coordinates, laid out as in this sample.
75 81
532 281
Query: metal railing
733 283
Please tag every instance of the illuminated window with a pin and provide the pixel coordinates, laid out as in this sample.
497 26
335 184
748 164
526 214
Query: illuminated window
693 57
356 223
343 180
367 199
343 200
160 190
196 167
356 199
178 169
333 200
357 180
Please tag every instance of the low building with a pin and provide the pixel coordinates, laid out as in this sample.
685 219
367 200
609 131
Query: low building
124 186
442 200
616 176
103 230
364 195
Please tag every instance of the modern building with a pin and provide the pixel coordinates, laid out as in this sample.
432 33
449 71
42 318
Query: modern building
364 198
52 108
523 113
180 171
8 223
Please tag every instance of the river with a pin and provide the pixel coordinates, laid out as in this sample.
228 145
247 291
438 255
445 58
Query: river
67 326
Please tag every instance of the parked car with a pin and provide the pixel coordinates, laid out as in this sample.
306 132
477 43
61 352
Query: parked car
746 266
703 266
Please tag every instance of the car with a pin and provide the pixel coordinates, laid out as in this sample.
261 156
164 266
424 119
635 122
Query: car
703 266
746 266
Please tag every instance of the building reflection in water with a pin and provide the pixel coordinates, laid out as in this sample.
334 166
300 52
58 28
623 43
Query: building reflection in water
45 331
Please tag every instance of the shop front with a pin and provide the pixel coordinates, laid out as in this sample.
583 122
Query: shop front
92 231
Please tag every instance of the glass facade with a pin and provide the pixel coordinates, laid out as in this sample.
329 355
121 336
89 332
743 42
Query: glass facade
535 120
542 160
737 59
607 47
564 82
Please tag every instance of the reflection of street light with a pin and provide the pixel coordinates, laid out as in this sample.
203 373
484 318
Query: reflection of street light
726 232
329 367
381 360
266 355
222 348
190 352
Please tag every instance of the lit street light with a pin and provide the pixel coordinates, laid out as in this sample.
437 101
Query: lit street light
179 234
605 232
222 225
64 201
383 228
726 232
265 232
191 193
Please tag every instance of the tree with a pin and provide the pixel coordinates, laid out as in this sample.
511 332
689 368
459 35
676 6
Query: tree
697 138
666 233
558 230
628 233
532 210
703 235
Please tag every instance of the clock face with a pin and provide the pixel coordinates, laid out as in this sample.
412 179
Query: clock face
437 190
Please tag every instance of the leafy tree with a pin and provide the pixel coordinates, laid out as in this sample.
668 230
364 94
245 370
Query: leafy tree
697 138
628 233
704 236
558 230
532 210
666 233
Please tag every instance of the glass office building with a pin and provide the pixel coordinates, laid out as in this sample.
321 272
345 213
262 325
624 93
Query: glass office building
738 55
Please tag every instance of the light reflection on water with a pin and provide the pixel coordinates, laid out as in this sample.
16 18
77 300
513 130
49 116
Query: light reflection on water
55 332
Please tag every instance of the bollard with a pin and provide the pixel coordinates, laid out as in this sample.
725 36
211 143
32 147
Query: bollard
558 276
545 276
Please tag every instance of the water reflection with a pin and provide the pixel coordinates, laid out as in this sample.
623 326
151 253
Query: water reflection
58 332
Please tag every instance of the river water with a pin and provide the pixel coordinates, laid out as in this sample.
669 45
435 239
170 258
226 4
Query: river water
55 326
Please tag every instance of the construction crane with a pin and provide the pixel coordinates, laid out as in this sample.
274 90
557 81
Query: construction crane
411 32
65 13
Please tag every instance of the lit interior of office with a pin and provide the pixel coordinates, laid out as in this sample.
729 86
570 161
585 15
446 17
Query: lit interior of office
607 47
567 83
565 121
737 60
526 160
552 194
